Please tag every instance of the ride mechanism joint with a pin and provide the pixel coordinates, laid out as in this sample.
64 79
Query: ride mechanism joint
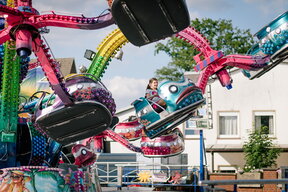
210 61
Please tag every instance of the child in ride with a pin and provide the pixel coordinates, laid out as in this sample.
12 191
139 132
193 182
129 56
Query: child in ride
152 95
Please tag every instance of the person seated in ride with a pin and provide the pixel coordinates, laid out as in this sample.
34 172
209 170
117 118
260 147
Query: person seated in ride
152 96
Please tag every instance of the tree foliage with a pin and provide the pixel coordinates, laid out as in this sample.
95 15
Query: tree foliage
260 152
221 35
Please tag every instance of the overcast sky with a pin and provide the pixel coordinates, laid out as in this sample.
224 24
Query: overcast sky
127 79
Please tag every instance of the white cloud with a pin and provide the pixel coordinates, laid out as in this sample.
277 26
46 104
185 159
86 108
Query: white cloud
194 15
265 6
125 90
209 5
86 7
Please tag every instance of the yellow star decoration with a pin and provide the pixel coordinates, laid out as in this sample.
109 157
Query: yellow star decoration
144 176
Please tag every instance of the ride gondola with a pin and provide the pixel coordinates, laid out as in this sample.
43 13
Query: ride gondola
90 114
146 21
166 145
130 128
182 99
273 41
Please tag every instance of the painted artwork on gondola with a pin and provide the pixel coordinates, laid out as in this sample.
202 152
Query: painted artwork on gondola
43 179
32 180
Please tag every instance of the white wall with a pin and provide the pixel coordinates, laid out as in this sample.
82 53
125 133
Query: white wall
124 113
266 93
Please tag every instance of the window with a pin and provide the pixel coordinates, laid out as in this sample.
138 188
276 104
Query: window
265 119
228 124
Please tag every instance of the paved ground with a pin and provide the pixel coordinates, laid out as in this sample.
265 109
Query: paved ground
129 189
126 189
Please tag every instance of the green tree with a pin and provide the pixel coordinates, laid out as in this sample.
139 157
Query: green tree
260 152
221 35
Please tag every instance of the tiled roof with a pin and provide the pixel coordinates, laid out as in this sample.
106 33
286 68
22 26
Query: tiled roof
67 65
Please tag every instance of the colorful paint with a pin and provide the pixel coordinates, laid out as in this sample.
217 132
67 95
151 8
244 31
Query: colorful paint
43 179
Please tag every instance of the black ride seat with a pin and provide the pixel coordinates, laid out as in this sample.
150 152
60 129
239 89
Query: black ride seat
90 114
146 21
69 124
172 120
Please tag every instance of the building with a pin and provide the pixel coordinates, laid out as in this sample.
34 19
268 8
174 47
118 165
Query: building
36 81
229 117
67 65
237 112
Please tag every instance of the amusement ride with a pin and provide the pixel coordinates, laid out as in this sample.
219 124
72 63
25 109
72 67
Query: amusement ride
81 109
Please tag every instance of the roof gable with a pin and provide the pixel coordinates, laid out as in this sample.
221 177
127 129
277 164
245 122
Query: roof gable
67 65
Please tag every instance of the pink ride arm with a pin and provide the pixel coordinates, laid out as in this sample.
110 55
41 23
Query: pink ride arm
204 77
9 11
116 137
73 22
215 62
247 62
4 35
50 70
192 36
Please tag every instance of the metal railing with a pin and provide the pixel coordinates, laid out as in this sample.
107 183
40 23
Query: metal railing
120 174
107 171
211 184
158 175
